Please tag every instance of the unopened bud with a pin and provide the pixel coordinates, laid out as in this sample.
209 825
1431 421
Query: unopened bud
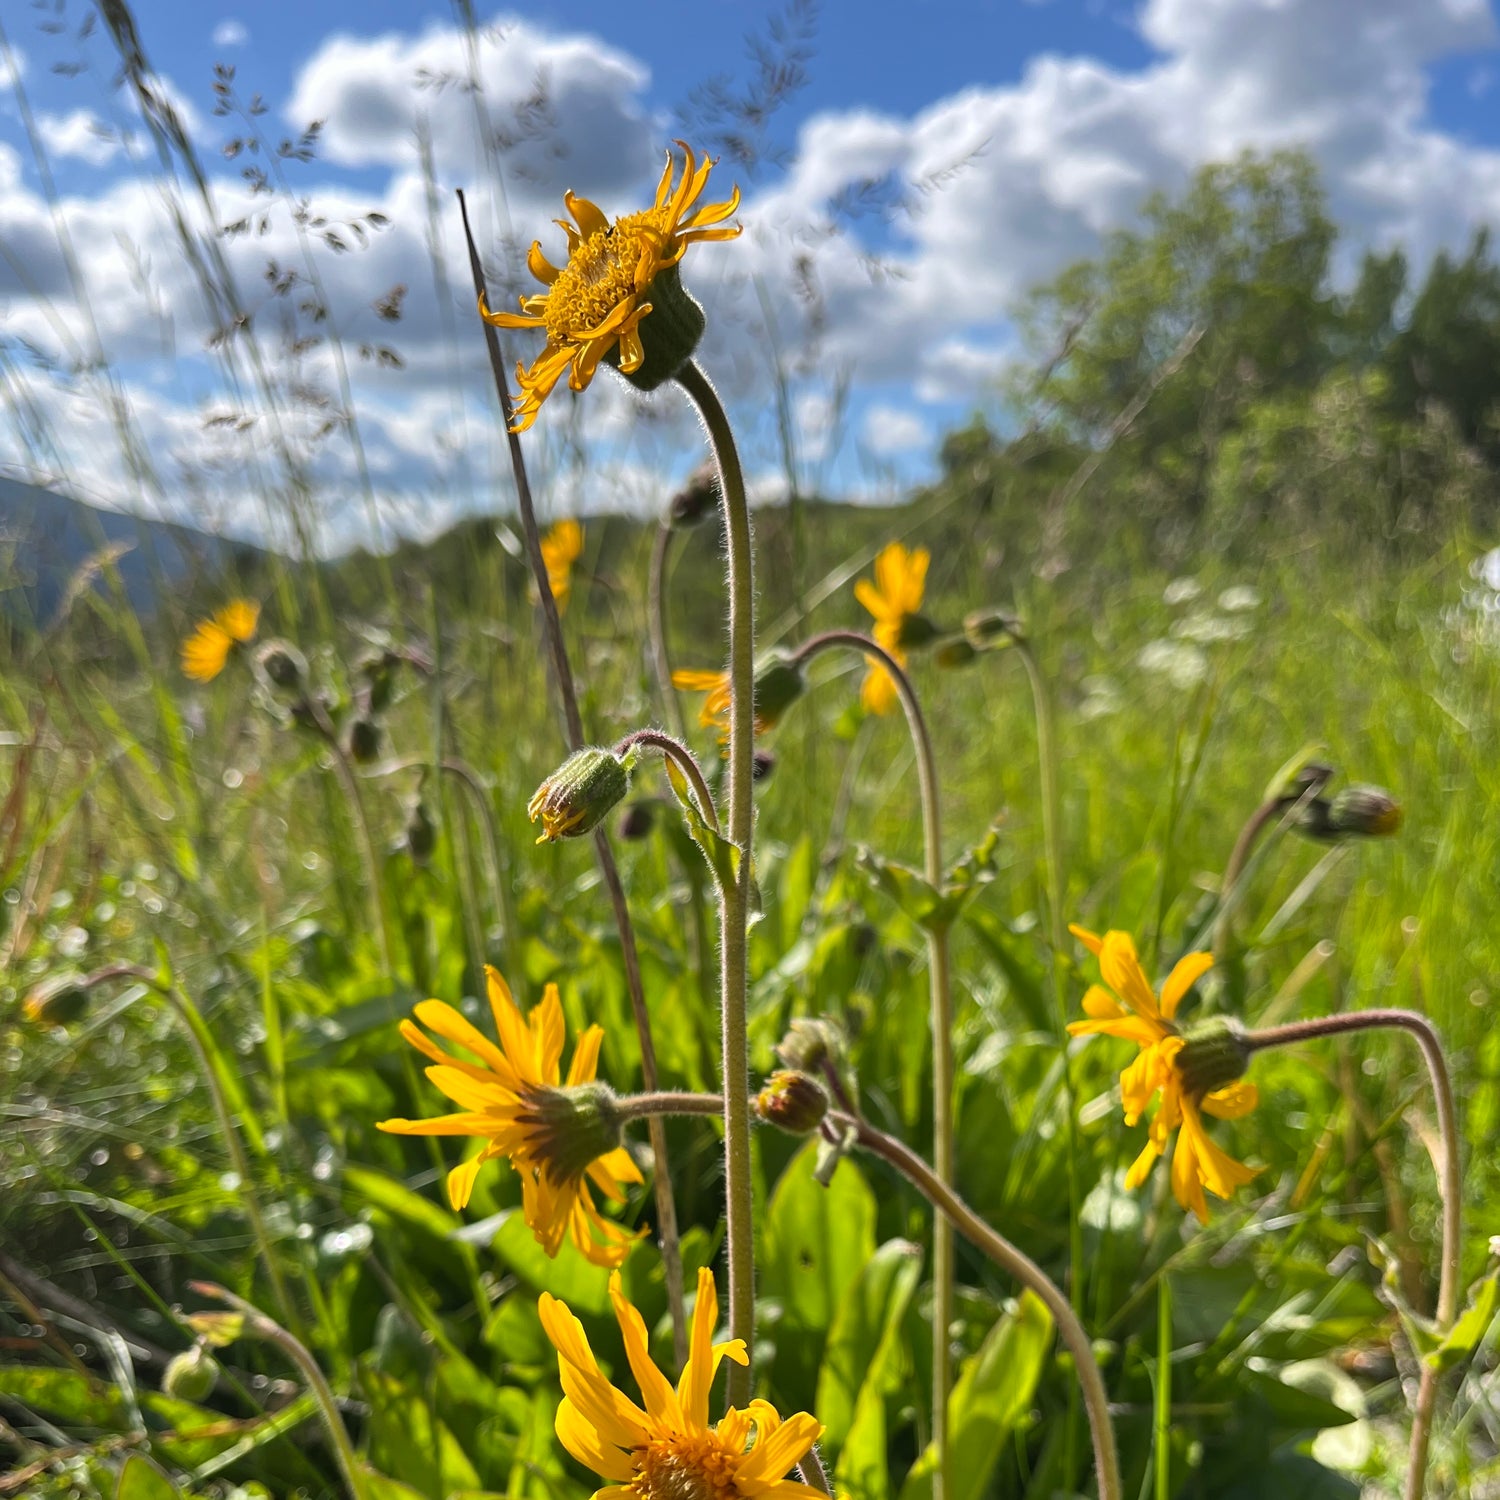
955 653
793 1102
191 1375
379 678
58 1001
915 632
1365 812
992 627
809 1043
1214 1052
698 498
364 740
778 684
580 794
762 763
637 820
283 665
420 834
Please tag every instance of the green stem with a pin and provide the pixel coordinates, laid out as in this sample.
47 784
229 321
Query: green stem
1024 1269
258 1325
667 1102
656 619
677 752
734 895
940 998
666 1205
198 1040
1450 1184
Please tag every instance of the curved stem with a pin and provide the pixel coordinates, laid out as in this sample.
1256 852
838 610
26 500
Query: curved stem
666 1206
734 896
668 1102
1255 825
258 1325
687 762
1449 1179
1024 1269
193 1024
656 622
940 998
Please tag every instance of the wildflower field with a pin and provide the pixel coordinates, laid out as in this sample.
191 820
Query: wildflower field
987 995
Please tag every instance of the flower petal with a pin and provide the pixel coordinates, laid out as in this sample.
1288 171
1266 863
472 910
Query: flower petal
1188 971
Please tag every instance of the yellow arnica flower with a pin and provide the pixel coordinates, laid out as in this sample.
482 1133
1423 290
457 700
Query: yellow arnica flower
561 548
664 1449
894 598
594 304
206 650
558 1136
778 685
1129 1009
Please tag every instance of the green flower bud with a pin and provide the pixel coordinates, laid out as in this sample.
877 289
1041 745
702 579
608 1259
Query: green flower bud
778 684
954 653
580 794
916 631
1365 812
762 763
364 740
1214 1052
810 1043
637 820
191 1375
420 834
793 1102
992 627
282 665
58 1001
670 333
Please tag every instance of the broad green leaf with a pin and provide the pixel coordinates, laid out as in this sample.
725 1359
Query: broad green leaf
861 1366
140 1479
567 1275
992 1394
410 1441
1463 1338
817 1240
65 1394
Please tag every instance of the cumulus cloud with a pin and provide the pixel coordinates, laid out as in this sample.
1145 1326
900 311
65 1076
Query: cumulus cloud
892 249
79 133
231 34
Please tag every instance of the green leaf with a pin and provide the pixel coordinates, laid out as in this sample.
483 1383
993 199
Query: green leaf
410 1441
817 1240
384 1192
140 1479
65 1394
992 1394
1463 1338
861 1364
568 1276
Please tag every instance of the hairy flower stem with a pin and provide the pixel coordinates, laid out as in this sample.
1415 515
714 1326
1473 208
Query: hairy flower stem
258 1325
666 1206
813 1473
940 995
1017 1264
656 621
734 894
199 1039
1449 1182
686 762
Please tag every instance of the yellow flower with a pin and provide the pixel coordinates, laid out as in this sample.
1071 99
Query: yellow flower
778 685
206 650
1129 1009
894 599
715 710
594 304
561 548
665 1449
559 1138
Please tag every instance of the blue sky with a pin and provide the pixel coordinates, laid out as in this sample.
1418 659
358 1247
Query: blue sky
1049 124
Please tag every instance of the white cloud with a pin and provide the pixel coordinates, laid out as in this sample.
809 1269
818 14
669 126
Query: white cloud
80 133
892 430
12 66
231 34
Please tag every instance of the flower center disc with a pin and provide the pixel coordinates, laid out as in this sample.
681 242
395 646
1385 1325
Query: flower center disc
599 275
686 1469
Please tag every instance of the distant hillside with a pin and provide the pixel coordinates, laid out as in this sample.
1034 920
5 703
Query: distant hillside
45 538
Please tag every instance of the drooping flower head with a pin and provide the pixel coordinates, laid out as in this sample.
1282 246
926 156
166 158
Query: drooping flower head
560 1136
616 275
561 548
894 599
778 685
580 793
663 1447
1194 1075
208 648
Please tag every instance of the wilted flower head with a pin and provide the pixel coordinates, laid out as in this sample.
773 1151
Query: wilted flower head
616 276
208 648
559 1136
